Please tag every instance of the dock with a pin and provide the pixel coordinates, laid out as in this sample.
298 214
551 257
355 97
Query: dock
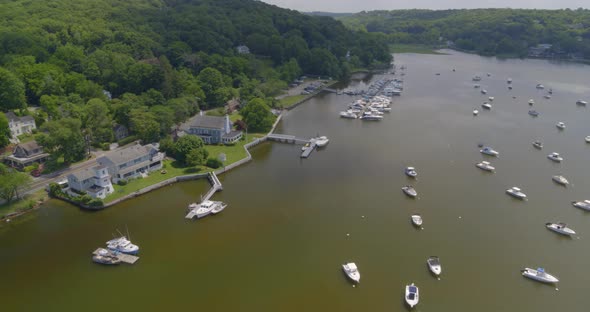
307 150
125 258
285 138
215 187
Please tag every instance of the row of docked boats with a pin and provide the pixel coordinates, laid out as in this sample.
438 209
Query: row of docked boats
370 109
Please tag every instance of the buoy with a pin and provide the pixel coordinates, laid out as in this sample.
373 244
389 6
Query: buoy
347 234
353 285
363 217
459 217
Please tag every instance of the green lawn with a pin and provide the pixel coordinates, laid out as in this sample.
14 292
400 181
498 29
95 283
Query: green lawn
27 202
290 100
413 48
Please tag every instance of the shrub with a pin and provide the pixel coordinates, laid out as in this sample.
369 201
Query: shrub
105 146
122 182
127 140
214 163
96 202
55 190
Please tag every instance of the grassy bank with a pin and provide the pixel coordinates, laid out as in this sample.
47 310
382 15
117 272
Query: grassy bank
413 48
27 202
290 100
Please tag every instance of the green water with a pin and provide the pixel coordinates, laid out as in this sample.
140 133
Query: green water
280 243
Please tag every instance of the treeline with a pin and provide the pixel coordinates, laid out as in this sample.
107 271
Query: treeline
149 64
485 31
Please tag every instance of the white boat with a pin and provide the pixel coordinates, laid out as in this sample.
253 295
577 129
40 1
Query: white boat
486 105
533 113
203 209
516 192
585 204
218 208
484 91
560 125
531 101
123 245
555 157
434 265
539 275
560 228
411 172
547 96
476 86
352 272
412 295
417 219
581 102
320 141
560 180
476 78
410 191
587 139
371 117
540 86
538 144
486 166
304 147
475 112
348 114
489 151
491 98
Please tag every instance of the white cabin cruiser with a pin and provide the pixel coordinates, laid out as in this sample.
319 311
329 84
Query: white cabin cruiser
539 275
348 114
203 209
560 228
475 112
587 139
412 295
516 192
547 96
417 219
538 144
352 272
434 265
560 125
410 191
320 141
489 151
486 105
581 102
540 86
371 117
486 166
491 98
560 180
585 204
411 172
123 245
555 157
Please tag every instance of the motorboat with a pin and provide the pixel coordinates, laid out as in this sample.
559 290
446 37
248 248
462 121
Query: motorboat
218 208
581 102
531 101
516 192
538 144
540 86
417 220
509 87
123 245
476 78
489 151
475 112
587 139
104 256
533 113
555 157
491 98
560 228
489 75
585 204
476 86
547 96
560 180
486 166
203 209
509 81
486 105
434 265
539 275
352 272
550 91
560 125
412 295
371 117
320 141
410 191
411 172
484 91
348 114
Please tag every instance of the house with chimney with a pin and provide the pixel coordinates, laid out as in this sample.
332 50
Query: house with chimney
212 129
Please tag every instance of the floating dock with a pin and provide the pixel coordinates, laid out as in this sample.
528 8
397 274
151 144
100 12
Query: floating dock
125 258
307 150
215 186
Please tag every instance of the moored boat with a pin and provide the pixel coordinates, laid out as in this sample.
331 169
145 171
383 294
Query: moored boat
540 86
560 180
560 228
203 209
585 204
352 272
533 113
218 208
476 78
531 101
412 295
509 81
538 144
484 91
555 157
489 151
486 166
516 192
486 105
320 141
475 112
434 265
560 125
539 275
123 245
587 139
411 172
410 191
417 219
348 114
104 256
491 98
581 102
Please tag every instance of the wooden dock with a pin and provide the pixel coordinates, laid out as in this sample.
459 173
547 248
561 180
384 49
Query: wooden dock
215 187
284 138
125 258
307 150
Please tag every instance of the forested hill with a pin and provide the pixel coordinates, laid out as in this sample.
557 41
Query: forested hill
486 31
61 53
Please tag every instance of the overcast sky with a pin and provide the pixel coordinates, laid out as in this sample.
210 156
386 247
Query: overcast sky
369 5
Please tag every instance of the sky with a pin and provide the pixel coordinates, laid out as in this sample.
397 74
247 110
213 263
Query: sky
352 6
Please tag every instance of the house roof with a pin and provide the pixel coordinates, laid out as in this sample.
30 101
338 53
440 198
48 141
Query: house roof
83 174
210 122
29 146
129 153
13 117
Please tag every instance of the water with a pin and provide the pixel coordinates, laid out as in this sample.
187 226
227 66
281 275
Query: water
280 243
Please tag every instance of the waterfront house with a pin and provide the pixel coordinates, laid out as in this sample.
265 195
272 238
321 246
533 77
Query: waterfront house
212 129
26 154
132 161
94 181
242 49
120 132
20 125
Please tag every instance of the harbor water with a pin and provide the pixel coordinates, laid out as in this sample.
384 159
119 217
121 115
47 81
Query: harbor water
291 223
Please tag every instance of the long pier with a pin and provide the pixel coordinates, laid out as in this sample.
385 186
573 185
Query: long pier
215 187
284 138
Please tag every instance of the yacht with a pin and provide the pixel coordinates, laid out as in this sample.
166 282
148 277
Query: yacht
555 157
581 102
560 228
491 98
560 125
123 245
218 208
486 166
475 112
587 139
412 295
371 117
540 86
352 272
509 81
489 151
410 191
203 209
539 275
417 219
348 114
104 256
516 192
320 141
538 144
411 172
533 113
531 101
560 180
484 91
486 105
434 265
585 204
476 78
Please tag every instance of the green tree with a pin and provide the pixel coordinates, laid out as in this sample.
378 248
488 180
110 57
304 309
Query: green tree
185 145
97 121
257 116
11 181
12 91
145 125
63 138
4 131
197 157
212 84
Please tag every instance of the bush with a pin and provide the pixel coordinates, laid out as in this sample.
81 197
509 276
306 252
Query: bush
127 140
55 190
214 163
122 182
96 202
105 146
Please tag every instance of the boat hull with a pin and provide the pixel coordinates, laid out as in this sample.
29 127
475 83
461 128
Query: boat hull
546 278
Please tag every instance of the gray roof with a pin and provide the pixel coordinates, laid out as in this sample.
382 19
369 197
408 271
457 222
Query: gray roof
29 146
83 174
209 122
13 117
129 153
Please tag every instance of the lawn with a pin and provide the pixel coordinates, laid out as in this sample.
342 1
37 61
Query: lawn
413 48
290 100
232 153
27 202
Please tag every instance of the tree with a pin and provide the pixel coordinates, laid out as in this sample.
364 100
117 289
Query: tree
145 125
63 138
12 91
196 157
11 181
185 147
212 84
257 116
4 131
97 121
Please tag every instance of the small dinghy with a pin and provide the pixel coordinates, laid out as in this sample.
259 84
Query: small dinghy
410 191
476 86
509 81
509 87
486 105
475 112
484 91
434 265
533 113
412 295
538 145
539 275
516 192
486 166
411 172
561 180
585 204
417 219
489 151
352 272
560 228
555 157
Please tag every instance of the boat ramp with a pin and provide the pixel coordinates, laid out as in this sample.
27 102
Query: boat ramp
125 258
215 186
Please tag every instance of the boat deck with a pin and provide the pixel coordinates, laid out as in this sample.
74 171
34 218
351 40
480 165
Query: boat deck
125 258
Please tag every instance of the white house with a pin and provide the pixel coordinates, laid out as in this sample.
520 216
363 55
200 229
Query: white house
95 182
132 161
20 125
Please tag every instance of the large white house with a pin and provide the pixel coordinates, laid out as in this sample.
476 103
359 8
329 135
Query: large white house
132 161
20 125
95 182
